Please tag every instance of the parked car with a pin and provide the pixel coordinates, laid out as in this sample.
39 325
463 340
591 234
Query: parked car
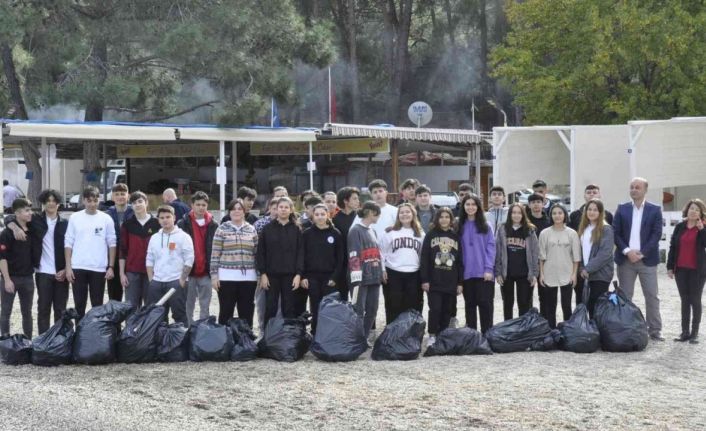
444 199
521 196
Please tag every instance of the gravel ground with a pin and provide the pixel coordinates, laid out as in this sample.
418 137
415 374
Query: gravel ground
663 387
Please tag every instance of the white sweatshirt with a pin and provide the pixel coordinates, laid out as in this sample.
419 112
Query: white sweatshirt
402 249
169 253
89 236
388 216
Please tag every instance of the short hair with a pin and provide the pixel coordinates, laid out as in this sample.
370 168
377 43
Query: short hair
370 207
246 192
49 193
345 194
5 183
592 187
535 197
699 203
409 182
136 196
497 189
539 183
90 192
165 209
465 187
120 187
329 193
273 201
308 192
280 189
234 202
21 203
422 189
199 196
642 180
377 184
311 201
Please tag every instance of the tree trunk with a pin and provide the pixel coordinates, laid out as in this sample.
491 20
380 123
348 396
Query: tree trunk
29 149
353 77
398 21
94 112
483 25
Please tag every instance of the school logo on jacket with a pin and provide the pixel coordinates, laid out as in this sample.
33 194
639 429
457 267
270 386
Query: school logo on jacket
330 240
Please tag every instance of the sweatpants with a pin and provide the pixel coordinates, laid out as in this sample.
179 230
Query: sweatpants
176 303
691 287
365 301
627 274
293 301
524 296
136 291
548 302
198 287
318 288
88 283
401 293
51 294
439 310
24 288
478 295
236 293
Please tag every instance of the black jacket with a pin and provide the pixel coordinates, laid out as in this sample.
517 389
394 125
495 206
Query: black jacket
323 252
38 227
539 223
575 218
185 225
441 263
280 249
674 244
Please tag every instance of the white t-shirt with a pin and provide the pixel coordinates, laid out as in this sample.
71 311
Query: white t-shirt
90 236
236 275
200 221
402 249
388 216
47 265
586 243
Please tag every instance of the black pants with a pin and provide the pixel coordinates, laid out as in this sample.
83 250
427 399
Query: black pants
548 302
240 294
318 288
596 289
88 282
478 295
524 295
440 310
51 294
690 287
293 301
115 287
401 293
176 303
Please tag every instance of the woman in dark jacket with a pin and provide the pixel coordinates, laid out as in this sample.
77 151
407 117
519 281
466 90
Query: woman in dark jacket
323 260
686 263
596 265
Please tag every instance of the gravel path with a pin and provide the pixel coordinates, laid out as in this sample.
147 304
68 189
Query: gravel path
663 387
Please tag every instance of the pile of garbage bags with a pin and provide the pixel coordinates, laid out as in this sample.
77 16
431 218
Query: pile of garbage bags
459 342
620 323
519 334
95 341
55 346
285 340
339 334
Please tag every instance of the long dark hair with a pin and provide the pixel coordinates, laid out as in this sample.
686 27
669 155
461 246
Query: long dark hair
525 225
481 224
437 215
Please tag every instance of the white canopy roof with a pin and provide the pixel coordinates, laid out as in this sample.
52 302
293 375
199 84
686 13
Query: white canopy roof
247 134
459 136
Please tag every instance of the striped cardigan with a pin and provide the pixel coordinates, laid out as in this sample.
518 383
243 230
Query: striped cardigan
233 248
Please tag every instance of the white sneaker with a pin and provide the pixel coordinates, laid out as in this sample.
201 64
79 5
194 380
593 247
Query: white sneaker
453 323
431 341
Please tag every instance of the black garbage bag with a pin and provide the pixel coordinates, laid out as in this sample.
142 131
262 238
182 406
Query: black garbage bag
173 342
244 347
459 342
97 333
340 335
285 340
15 350
401 340
209 341
55 346
580 333
138 342
620 323
517 335
551 342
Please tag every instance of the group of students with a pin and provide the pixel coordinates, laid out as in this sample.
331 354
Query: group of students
279 262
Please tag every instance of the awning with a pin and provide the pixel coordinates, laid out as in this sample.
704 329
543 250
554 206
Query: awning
458 136
255 134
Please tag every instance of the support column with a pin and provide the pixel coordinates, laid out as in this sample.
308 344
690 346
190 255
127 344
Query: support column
221 174
43 162
395 153
478 173
105 173
311 167
2 169
234 169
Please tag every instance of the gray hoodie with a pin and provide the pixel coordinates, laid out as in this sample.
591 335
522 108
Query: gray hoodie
169 253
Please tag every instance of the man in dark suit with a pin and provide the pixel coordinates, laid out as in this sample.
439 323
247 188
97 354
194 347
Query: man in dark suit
638 229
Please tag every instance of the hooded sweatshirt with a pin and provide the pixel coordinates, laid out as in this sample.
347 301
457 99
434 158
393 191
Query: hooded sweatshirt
478 250
441 264
323 252
169 253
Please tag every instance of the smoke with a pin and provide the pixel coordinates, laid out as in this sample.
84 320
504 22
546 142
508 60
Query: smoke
60 112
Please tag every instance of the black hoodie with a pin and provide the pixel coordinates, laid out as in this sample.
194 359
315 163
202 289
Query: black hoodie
280 249
441 264
323 252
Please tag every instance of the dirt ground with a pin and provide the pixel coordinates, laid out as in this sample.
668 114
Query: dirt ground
661 388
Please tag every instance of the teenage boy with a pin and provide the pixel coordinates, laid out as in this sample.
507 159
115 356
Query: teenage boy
169 197
280 192
248 196
536 213
90 247
407 189
120 212
170 256
201 227
497 211
268 217
464 189
348 200
135 236
388 213
591 191
425 210
330 199
308 216
540 187
17 268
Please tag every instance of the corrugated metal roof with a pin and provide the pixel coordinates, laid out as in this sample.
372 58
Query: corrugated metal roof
459 136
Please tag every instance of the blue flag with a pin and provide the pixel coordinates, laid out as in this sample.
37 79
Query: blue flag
274 117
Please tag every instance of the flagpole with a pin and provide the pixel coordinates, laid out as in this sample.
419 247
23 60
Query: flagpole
272 112
329 94
473 113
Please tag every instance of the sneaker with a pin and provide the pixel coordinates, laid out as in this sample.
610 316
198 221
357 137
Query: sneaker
656 336
453 323
694 339
431 341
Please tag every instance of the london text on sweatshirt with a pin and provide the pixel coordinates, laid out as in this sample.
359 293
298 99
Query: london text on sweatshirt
402 249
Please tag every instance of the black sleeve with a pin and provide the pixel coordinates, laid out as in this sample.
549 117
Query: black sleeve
261 252
424 269
340 254
460 261
673 244
6 240
300 253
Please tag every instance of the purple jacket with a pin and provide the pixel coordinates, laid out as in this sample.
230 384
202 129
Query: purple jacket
478 251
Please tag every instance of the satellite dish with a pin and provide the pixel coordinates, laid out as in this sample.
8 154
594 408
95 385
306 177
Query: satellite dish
419 113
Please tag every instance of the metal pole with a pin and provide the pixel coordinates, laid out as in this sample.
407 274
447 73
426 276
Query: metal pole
572 174
44 161
234 159
311 166
478 173
2 171
220 174
63 181
105 173
329 95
